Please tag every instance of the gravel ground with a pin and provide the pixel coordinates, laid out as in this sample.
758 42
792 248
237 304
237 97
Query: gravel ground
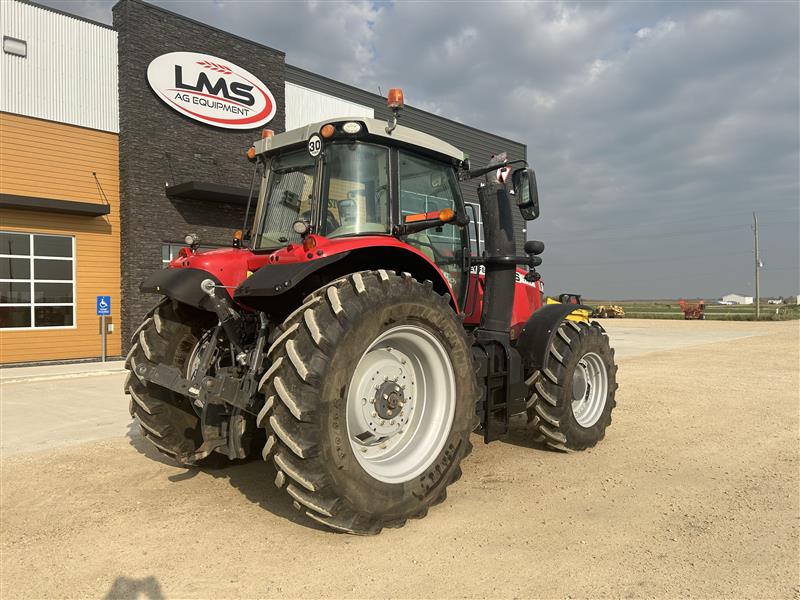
694 492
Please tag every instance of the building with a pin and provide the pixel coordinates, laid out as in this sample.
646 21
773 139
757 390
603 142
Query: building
737 299
101 177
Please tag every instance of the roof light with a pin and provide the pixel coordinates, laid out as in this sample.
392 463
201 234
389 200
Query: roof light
394 98
327 131
351 127
251 153
266 133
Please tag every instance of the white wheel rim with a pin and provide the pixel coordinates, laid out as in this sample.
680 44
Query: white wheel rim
589 389
401 403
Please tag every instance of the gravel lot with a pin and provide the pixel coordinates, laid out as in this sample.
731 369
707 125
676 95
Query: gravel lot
694 492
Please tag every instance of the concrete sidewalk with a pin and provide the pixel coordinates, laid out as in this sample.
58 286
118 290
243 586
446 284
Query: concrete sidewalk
61 371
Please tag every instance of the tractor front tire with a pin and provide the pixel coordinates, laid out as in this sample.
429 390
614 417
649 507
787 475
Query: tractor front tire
370 401
167 336
573 397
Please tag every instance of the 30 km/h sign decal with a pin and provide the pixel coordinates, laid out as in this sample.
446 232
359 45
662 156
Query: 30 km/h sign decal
314 145
211 90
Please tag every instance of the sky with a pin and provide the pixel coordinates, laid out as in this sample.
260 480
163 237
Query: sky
655 129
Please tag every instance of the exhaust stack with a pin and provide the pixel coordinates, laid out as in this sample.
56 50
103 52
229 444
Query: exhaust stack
498 227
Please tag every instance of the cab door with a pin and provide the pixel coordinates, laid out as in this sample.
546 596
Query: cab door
426 185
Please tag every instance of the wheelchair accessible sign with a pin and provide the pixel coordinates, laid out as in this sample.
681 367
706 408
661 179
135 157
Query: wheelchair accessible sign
103 306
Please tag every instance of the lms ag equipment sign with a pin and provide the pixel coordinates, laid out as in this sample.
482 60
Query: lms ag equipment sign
211 90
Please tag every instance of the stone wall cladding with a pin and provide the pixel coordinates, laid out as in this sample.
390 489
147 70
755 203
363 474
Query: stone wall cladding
159 145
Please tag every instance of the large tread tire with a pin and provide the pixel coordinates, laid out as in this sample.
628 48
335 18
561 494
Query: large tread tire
550 405
167 420
313 356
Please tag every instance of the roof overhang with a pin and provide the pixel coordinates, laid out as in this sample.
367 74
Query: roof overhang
202 190
54 205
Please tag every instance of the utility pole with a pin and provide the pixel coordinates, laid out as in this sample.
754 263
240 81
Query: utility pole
758 267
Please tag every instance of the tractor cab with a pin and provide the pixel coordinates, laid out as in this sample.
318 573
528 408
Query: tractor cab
351 179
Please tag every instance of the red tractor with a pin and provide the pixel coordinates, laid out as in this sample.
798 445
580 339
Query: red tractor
692 311
354 340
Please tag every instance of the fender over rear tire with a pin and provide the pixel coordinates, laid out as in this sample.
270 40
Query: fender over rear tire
572 399
313 392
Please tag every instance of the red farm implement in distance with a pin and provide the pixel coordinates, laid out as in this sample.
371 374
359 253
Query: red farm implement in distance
692 311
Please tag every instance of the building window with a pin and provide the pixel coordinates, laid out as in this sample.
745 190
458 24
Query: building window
476 245
37 280
15 46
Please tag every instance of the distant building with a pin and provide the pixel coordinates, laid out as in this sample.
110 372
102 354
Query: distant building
737 299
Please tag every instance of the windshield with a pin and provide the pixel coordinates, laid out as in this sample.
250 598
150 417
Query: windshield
289 193
356 190
355 194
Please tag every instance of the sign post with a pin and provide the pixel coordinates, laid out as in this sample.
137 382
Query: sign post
103 310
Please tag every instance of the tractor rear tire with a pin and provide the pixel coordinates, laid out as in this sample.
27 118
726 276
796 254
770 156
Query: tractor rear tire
573 397
361 482
167 420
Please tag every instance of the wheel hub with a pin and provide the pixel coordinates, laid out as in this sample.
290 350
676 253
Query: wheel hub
389 400
589 389
400 403
579 383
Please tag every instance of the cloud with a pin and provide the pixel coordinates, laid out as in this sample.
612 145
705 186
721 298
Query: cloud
655 129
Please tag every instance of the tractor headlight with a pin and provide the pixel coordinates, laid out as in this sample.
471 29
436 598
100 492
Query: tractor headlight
300 227
191 239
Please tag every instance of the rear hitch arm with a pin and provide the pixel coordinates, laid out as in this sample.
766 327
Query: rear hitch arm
229 318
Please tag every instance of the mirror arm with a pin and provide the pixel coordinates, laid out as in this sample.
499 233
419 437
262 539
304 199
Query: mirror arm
477 172
461 220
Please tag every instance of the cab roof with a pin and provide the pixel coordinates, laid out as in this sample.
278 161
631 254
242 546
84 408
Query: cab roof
375 128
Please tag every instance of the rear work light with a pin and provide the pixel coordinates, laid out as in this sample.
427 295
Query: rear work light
351 127
300 227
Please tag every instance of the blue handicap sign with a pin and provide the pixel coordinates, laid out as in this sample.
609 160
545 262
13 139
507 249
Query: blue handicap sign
103 305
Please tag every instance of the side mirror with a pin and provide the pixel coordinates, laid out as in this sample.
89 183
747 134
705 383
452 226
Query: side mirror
527 194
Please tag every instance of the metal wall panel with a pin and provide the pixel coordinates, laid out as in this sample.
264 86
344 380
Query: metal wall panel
479 144
70 72
304 106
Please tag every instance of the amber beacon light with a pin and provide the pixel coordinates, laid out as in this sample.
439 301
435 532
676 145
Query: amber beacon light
394 99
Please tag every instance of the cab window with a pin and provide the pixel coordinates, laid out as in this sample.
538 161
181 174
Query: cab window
288 198
425 186
356 190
